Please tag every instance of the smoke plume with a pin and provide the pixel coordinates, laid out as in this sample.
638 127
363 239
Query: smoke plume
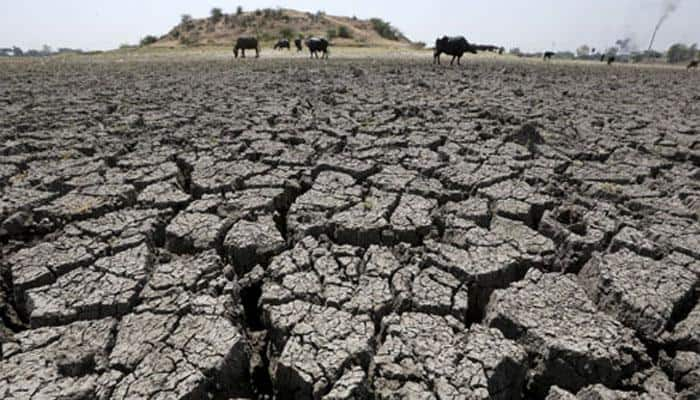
669 6
627 45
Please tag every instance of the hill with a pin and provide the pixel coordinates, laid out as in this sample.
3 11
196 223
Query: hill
271 24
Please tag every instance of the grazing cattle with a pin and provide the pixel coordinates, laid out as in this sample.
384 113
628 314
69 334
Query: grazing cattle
454 46
298 44
317 45
611 60
602 58
548 55
246 43
282 44
501 50
693 64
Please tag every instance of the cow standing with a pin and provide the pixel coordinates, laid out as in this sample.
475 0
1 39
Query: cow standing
246 43
317 45
693 64
454 46
548 55
282 44
298 43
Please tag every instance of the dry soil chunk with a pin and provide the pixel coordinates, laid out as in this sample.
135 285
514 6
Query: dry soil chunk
110 287
319 347
439 353
51 362
640 292
248 243
194 231
571 342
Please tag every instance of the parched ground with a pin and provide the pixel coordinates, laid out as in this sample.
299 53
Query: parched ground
350 229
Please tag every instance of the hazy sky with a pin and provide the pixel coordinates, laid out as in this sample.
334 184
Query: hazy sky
532 25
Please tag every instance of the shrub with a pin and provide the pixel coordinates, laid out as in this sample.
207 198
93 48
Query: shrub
515 51
344 32
583 51
189 40
148 40
681 53
287 33
216 14
186 22
418 45
384 29
331 33
239 10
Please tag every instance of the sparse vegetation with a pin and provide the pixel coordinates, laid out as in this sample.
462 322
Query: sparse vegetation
148 40
680 52
515 51
287 32
186 22
189 40
331 33
270 24
216 15
344 32
384 29
583 51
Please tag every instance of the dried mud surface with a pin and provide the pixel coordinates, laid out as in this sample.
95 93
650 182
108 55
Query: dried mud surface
354 229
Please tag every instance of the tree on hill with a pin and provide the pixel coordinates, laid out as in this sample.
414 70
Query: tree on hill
186 21
150 39
239 10
216 14
344 32
384 29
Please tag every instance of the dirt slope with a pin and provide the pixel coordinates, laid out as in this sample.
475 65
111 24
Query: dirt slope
272 24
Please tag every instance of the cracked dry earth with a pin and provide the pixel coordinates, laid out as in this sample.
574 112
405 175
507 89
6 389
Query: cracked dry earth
358 229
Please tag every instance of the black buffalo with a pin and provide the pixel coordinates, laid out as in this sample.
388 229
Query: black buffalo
548 55
298 43
611 60
602 58
282 44
693 64
246 43
454 46
317 45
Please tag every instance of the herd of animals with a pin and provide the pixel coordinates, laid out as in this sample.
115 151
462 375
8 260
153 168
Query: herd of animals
314 44
455 46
